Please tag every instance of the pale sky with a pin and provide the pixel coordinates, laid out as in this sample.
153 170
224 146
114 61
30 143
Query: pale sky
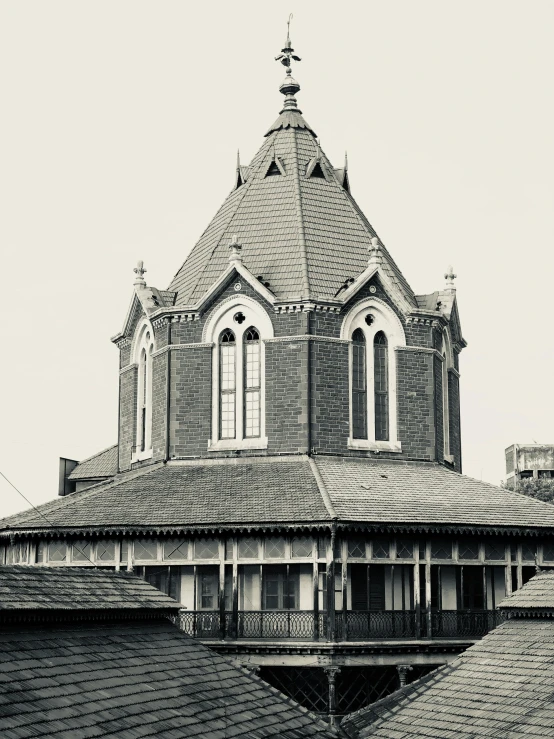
119 129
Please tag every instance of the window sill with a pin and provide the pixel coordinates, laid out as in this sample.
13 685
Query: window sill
140 456
237 444
375 446
449 458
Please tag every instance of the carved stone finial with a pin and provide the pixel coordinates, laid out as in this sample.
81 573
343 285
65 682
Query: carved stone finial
234 250
375 250
403 673
450 277
140 272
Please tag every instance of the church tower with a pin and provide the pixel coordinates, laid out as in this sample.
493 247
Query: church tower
290 329
289 460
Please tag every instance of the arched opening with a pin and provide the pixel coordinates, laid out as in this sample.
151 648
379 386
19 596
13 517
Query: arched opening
359 385
227 385
381 385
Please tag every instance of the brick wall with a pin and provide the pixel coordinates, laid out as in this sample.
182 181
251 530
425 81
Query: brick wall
438 402
455 421
127 416
159 395
416 393
330 396
190 401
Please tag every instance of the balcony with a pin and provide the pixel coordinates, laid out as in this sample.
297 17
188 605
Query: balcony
349 625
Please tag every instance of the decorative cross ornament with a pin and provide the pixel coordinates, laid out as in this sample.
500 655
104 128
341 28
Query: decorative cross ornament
140 272
450 277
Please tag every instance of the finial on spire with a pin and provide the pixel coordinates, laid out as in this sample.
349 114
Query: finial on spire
290 86
234 250
450 277
140 271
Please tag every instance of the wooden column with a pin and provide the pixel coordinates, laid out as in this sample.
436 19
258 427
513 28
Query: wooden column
508 571
428 618
485 590
417 591
330 577
221 591
117 555
519 567
332 673
315 589
344 587
235 590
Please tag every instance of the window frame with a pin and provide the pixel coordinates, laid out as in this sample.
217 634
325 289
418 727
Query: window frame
221 319
386 321
143 354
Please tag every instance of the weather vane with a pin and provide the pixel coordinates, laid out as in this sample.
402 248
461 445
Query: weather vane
287 53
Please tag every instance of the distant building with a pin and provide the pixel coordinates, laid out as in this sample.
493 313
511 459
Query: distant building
90 653
525 461
501 687
289 458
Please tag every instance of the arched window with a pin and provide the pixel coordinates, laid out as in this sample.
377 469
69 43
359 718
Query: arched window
359 385
381 385
144 348
238 329
227 384
251 400
375 333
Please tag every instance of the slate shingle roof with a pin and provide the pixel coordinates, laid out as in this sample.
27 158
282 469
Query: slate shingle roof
501 687
424 493
71 589
143 679
103 464
304 235
537 593
262 491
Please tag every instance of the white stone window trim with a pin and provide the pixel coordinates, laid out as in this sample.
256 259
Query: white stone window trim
221 319
385 320
144 340
447 364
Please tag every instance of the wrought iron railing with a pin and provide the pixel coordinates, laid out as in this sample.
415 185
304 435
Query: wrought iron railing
463 623
349 625
357 625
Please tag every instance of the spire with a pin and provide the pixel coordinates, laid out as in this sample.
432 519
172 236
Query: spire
290 86
290 116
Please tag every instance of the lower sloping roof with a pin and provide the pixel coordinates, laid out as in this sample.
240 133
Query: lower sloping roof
296 490
103 464
501 687
24 588
144 679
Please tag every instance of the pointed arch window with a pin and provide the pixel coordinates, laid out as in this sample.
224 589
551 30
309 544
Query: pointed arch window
359 385
238 330
252 383
144 350
381 385
227 385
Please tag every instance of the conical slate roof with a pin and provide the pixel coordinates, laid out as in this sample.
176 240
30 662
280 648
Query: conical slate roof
303 234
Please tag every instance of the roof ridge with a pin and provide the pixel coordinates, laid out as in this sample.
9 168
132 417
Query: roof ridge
322 488
302 233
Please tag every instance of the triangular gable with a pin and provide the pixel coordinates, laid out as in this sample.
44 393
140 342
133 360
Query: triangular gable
221 283
455 325
391 289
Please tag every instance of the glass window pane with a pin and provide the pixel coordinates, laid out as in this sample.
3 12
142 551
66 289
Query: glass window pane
528 552
124 550
495 550
57 551
275 547
146 549
81 551
322 544
548 552
206 549
40 551
248 548
404 549
381 548
302 546
356 548
381 384
176 549
468 549
359 380
105 551
252 413
228 549
441 549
